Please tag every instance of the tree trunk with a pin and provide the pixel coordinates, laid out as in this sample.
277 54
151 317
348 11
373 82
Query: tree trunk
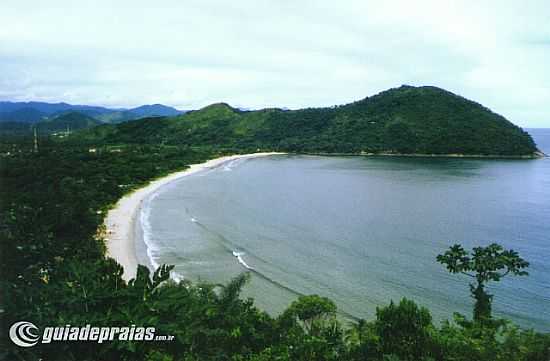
482 307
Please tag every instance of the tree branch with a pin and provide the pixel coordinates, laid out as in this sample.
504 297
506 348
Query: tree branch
504 274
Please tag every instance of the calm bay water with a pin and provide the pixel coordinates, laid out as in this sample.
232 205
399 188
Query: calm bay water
360 230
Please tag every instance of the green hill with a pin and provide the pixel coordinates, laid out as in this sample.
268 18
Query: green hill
404 120
68 121
154 110
116 117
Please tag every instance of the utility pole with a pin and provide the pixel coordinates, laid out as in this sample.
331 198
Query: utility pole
35 141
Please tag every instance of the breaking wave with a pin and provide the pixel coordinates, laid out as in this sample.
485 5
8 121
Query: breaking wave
145 215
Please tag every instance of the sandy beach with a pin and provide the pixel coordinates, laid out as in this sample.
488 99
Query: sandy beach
120 220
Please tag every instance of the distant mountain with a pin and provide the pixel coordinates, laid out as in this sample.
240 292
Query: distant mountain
71 121
405 120
155 110
31 112
51 108
117 117
23 115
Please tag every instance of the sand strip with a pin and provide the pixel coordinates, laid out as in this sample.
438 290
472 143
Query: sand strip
120 220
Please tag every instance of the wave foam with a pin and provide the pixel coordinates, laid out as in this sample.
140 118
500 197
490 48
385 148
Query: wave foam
146 228
241 260
228 167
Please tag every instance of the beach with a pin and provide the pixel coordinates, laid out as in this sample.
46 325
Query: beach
120 221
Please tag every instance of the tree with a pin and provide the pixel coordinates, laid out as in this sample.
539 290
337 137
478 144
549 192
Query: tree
484 264
310 331
404 330
363 341
313 311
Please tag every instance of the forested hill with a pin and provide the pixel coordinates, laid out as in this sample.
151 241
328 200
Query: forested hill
68 121
419 120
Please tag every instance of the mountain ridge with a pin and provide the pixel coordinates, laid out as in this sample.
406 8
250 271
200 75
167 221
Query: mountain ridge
33 112
405 120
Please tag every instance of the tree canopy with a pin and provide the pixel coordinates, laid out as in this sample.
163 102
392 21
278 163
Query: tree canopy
484 264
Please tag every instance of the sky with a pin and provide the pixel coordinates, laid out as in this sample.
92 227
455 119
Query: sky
279 53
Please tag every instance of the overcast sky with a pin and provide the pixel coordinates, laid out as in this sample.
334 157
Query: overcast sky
294 53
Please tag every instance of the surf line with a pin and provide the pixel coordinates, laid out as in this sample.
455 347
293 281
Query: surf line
230 247
225 243
345 314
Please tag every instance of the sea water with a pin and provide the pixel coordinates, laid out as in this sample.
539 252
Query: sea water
359 230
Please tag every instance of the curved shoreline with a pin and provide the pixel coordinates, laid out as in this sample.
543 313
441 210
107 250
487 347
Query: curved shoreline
120 220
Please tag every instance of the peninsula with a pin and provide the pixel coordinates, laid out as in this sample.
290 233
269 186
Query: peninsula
406 120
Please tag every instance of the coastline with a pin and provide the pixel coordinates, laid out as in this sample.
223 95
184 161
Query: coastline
120 220
537 155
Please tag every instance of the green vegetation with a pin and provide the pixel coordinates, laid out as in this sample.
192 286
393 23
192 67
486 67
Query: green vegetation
54 271
421 120
36 112
15 129
489 263
67 122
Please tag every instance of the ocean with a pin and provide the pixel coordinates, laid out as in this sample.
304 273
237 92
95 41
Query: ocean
359 230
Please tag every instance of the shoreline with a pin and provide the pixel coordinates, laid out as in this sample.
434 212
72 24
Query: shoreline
120 220
536 155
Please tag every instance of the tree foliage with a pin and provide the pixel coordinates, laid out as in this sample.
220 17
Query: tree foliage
405 330
484 264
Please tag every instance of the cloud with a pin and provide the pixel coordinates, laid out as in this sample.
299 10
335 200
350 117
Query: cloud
276 53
